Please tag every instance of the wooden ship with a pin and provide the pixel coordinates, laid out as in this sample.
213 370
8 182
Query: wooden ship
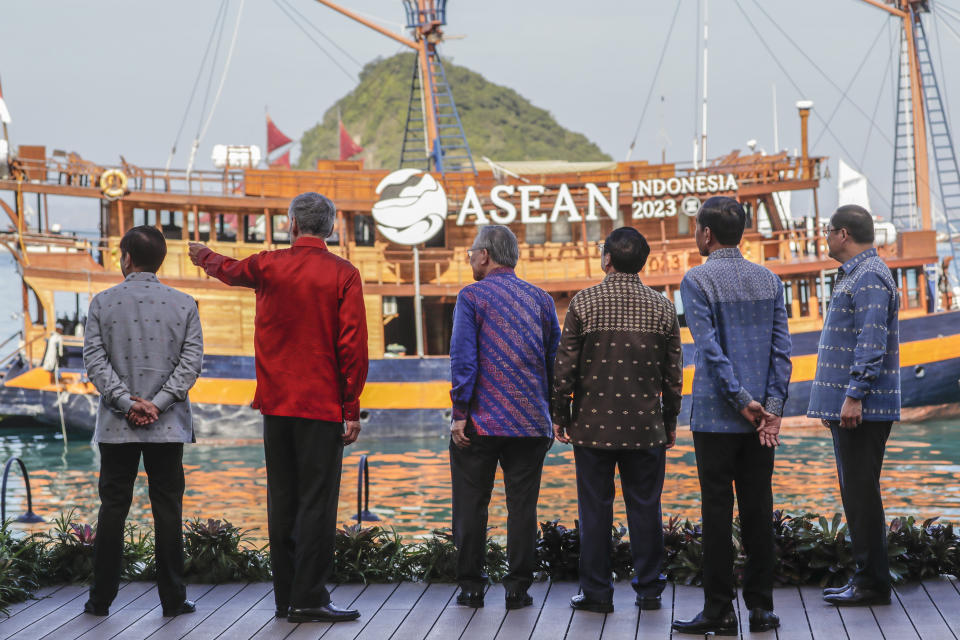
558 210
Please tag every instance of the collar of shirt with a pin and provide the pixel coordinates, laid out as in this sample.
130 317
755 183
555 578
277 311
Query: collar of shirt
500 271
619 276
310 241
852 263
142 276
725 252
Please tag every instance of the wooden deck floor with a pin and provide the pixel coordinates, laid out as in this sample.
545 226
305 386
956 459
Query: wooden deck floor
412 611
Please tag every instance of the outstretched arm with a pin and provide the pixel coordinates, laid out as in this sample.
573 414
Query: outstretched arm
243 273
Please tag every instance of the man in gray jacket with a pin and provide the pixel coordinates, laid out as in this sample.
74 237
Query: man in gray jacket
143 352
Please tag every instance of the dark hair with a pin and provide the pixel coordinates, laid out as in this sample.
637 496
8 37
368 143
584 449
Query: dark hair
856 220
628 249
724 217
146 247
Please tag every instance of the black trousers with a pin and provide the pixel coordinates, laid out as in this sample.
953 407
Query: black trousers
304 459
641 478
472 472
119 464
859 455
725 460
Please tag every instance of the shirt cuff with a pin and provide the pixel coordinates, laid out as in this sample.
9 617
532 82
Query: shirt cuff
857 390
123 403
460 411
163 400
742 399
351 410
774 406
670 425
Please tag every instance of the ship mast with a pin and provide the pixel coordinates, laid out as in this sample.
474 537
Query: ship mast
905 10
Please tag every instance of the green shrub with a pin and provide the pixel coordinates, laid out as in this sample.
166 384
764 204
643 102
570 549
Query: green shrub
216 551
369 555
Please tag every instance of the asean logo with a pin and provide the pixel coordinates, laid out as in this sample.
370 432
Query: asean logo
412 207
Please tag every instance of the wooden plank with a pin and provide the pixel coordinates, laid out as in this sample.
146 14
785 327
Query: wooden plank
368 603
859 623
143 617
221 619
426 612
345 596
69 596
788 604
452 622
406 596
556 612
486 622
656 623
36 597
73 621
824 619
893 620
626 614
256 617
922 611
687 601
519 623
945 598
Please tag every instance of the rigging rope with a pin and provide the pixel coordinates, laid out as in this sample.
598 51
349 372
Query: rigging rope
216 98
696 87
856 74
352 77
818 68
213 66
322 34
196 84
883 84
653 83
793 82
943 73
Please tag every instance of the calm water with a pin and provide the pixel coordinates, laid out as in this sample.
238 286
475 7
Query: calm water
410 487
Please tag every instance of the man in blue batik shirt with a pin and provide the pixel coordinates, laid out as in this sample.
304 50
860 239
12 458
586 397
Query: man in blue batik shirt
857 394
736 314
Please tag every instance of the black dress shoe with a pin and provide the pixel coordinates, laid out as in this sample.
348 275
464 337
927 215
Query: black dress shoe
281 612
328 613
648 603
470 598
763 620
96 609
829 591
581 602
518 600
858 597
702 625
187 606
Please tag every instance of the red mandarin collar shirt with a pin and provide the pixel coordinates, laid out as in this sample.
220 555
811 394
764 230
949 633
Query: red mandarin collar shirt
311 329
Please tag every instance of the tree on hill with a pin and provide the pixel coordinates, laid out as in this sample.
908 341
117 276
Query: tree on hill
499 122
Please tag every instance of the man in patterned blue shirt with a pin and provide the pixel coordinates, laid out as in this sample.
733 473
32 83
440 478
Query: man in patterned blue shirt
856 394
736 314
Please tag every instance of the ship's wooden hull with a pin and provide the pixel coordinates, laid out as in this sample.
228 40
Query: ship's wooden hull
410 396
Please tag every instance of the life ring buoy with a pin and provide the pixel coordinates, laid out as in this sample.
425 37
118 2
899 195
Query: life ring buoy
113 183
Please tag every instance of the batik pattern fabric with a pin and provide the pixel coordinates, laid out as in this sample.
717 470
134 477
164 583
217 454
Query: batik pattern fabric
859 351
619 371
505 335
736 314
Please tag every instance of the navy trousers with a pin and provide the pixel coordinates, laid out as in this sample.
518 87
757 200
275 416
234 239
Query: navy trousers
859 455
641 479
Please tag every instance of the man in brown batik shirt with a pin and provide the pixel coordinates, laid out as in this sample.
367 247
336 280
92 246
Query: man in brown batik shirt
616 396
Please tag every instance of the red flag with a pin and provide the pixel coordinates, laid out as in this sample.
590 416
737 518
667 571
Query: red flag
348 147
281 162
275 137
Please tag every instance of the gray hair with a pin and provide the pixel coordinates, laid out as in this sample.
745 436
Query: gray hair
500 243
314 213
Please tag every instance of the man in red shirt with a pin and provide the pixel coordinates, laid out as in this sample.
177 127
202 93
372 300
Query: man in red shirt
311 359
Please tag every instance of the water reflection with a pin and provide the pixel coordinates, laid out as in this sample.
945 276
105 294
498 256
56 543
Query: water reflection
410 481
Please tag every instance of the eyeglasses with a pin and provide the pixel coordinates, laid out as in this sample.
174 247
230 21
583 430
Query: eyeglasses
470 252
600 247
828 230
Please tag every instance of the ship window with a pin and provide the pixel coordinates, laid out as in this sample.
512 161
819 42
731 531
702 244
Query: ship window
172 222
254 228
146 217
536 233
363 233
198 226
281 229
561 231
227 230
910 283
34 308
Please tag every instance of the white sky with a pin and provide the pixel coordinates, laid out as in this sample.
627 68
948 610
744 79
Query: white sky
114 76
